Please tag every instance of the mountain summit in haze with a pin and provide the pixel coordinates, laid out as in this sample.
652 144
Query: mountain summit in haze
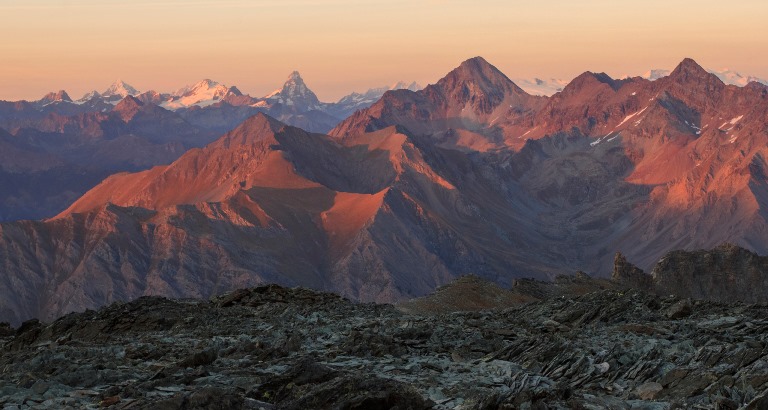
119 89
52 97
355 101
203 93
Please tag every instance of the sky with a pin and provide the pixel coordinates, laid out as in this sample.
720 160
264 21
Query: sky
341 46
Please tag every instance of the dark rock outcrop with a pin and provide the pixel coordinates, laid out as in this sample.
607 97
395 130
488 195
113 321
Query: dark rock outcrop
726 273
277 348
630 275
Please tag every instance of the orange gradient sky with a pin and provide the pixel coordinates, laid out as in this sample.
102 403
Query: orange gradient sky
344 45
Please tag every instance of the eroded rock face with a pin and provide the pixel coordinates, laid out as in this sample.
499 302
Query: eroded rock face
726 273
277 348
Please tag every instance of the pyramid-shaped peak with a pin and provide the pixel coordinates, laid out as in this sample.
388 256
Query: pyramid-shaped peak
477 81
476 62
120 88
128 102
128 107
259 123
688 69
295 93
478 71
261 119
477 66
295 83
689 64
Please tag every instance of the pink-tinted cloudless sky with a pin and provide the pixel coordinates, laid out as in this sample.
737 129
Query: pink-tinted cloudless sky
351 45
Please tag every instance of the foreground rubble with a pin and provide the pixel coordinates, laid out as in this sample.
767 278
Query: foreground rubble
271 347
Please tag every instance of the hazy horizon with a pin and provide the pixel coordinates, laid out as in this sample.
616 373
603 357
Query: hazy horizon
340 46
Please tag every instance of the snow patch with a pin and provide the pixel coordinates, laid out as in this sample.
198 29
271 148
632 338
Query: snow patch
528 132
630 116
605 138
732 122
204 93
538 86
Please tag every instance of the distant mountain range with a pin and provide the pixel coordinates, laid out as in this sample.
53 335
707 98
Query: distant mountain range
726 76
293 103
294 94
56 148
548 87
471 174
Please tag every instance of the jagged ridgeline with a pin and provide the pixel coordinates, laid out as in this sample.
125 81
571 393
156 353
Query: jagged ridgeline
469 175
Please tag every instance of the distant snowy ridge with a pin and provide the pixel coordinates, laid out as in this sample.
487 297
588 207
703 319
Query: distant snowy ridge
202 94
537 86
119 89
374 94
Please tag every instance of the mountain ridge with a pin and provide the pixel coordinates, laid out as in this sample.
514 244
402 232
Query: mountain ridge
469 175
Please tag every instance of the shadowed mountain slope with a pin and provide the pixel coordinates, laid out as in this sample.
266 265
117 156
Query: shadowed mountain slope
469 175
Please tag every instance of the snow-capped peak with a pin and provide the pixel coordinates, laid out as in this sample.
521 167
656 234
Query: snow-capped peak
402 85
295 93
53 97
732 77
538 86
367 98
655 74
295 76
200 86
202 93
119 88
88 96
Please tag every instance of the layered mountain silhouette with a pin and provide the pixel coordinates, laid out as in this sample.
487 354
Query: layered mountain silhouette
82 149
469 175
123 129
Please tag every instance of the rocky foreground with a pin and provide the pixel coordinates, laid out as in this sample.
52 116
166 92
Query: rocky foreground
277 348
